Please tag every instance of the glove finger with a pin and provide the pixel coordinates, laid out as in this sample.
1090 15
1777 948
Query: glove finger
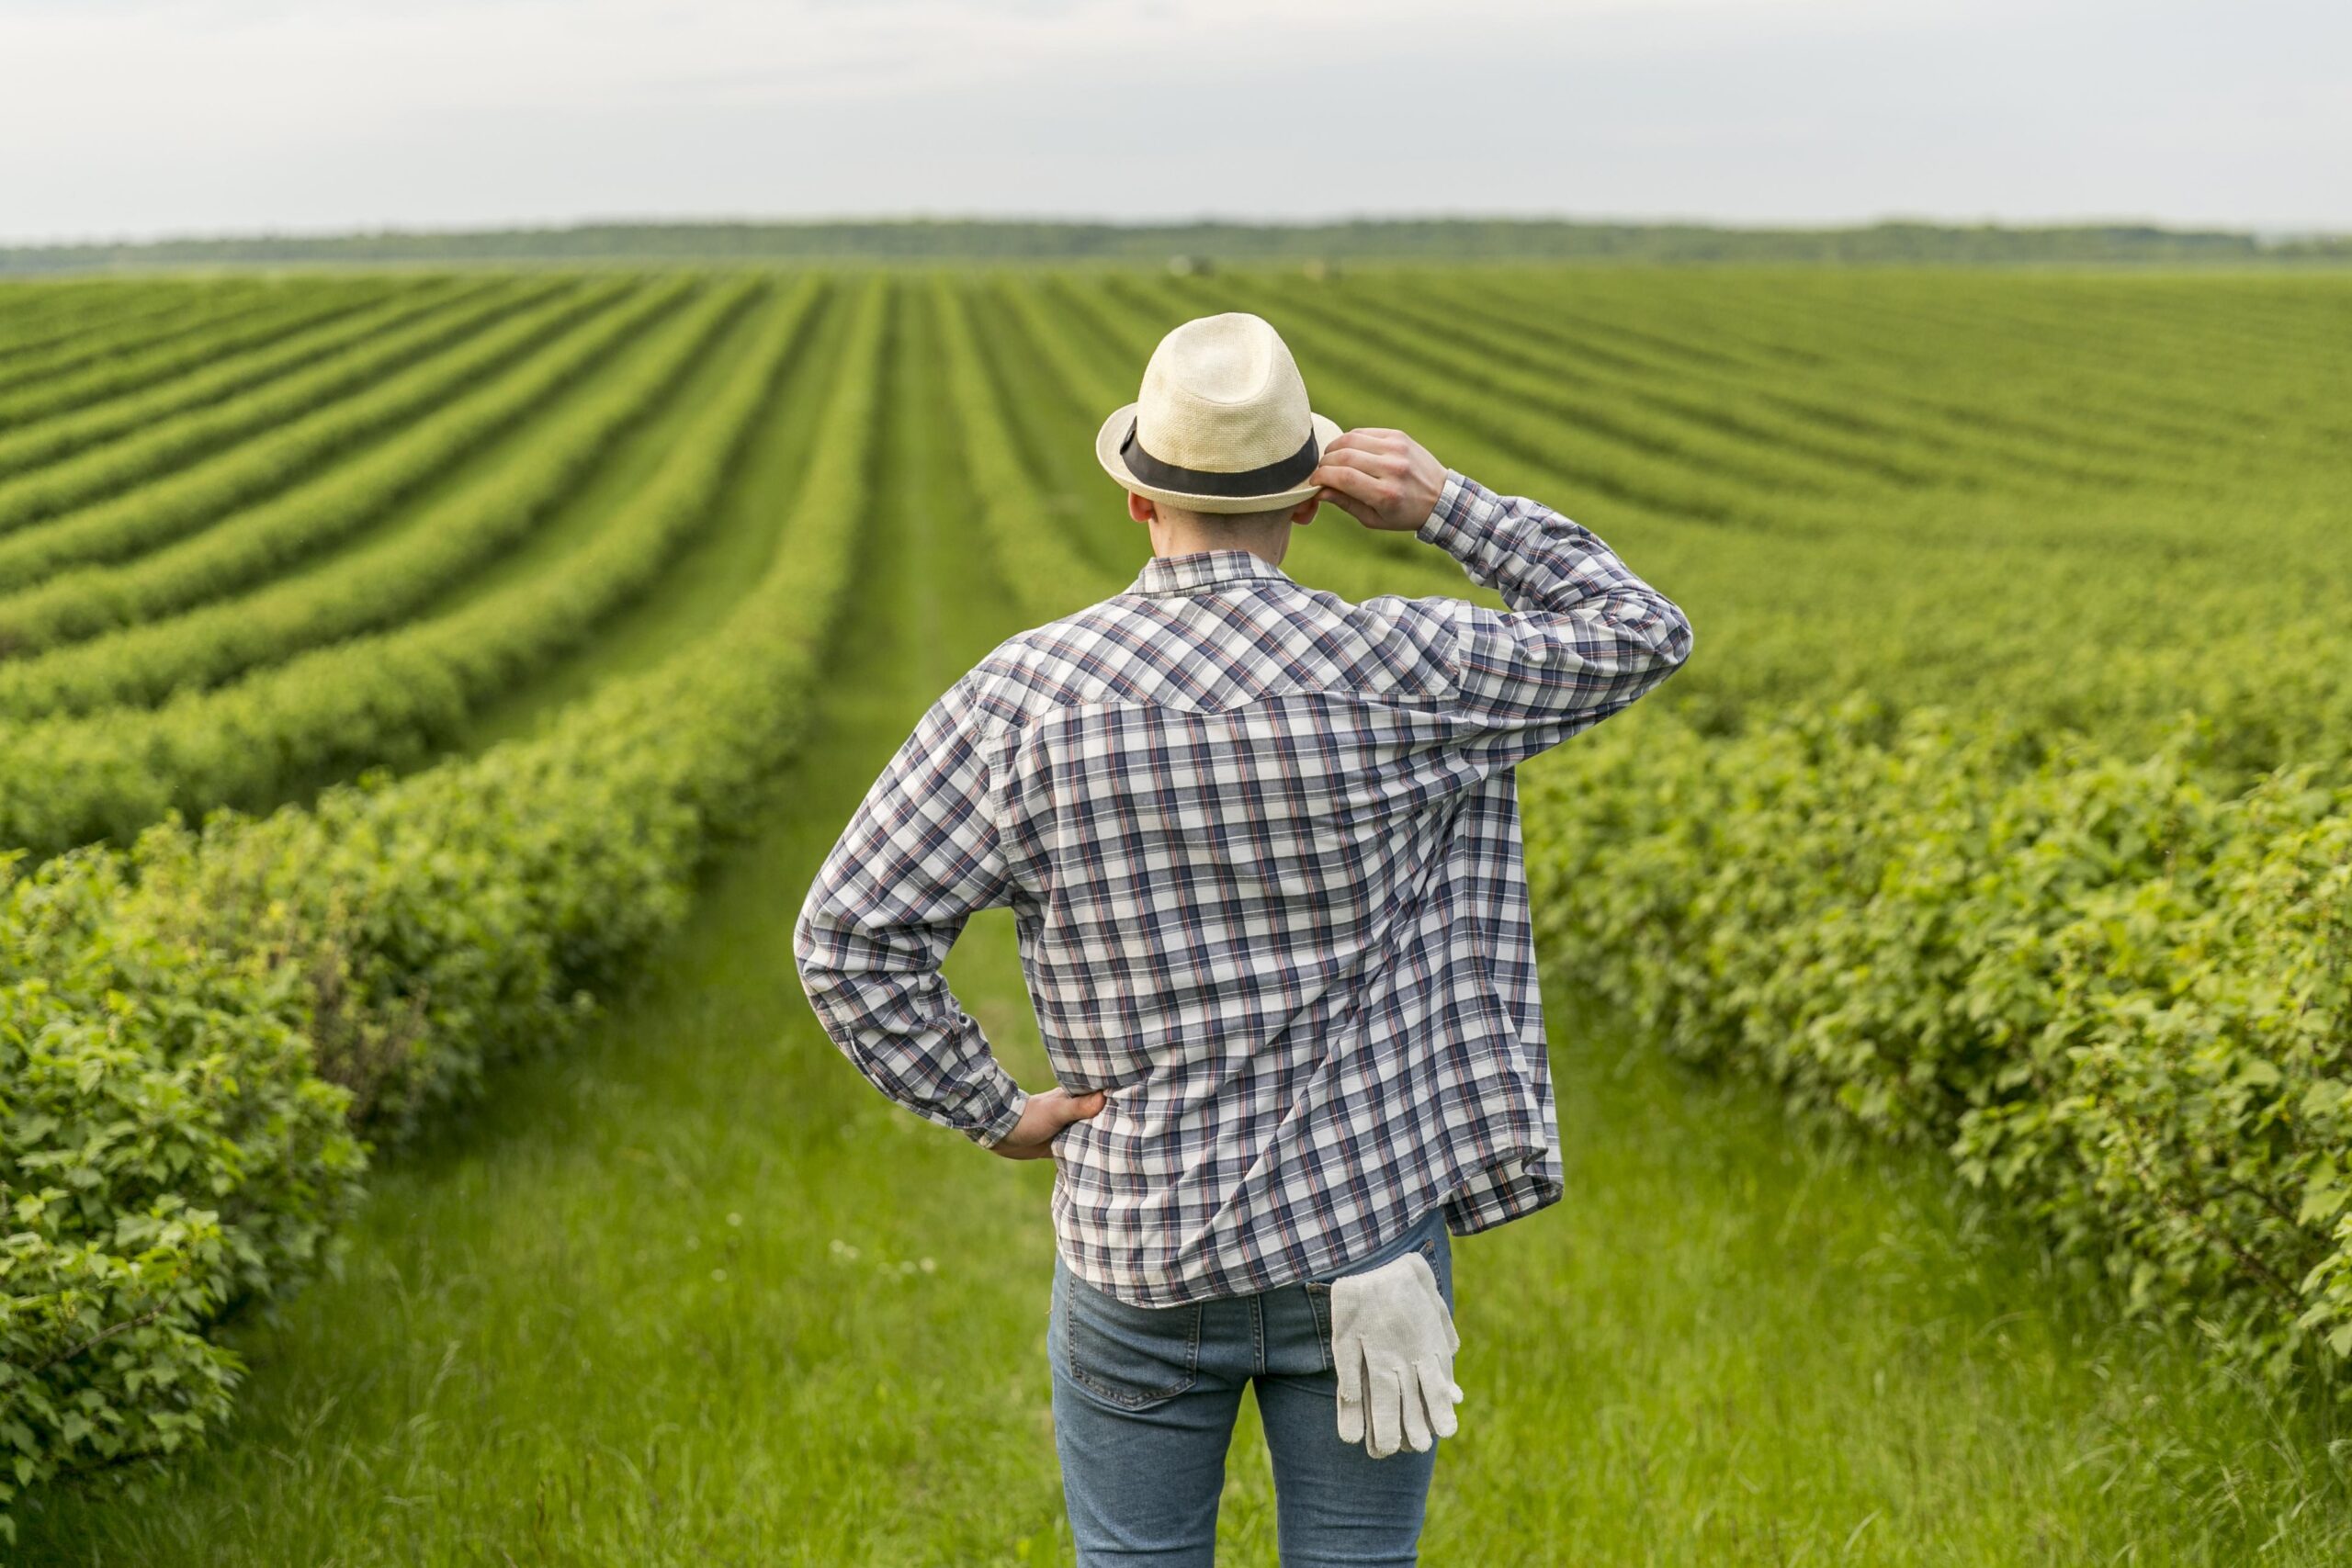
1350 1363
1417 1415
1385 1406
1437 1303
1439 1393
1347 1360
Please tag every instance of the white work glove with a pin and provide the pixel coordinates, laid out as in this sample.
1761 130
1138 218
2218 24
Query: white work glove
1393 1345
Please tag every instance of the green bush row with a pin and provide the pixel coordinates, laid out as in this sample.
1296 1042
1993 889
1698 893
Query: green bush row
1787 353
385 697
44 423
379 583
67 334
256 330
2119 996
37 322
190 1028
1744 416
1559 410
1042 565
303 517
121 498
2100 376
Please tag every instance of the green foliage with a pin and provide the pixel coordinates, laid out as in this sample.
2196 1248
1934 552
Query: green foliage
166 1155
193 1016
1984 826
53 417
1042 564
57 335
385 697
2108 992
146 661
200 470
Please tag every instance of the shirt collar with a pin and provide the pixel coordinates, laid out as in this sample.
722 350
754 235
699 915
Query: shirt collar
1203 569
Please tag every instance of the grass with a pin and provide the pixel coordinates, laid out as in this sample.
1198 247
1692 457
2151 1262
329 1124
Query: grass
697 1293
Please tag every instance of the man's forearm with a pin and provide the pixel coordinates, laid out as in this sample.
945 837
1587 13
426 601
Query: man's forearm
1538 559
902 1028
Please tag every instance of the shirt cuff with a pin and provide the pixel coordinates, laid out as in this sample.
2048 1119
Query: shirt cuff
1451 524
998 1127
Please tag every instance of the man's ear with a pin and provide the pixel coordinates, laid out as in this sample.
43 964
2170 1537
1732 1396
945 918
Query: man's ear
1139 507
1304 512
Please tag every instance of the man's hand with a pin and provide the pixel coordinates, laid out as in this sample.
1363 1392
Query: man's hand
1042 1119
1384 479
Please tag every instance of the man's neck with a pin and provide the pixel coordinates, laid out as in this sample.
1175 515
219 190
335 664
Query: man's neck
1269 545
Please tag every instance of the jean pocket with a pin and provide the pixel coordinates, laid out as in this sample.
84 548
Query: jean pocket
1134 1357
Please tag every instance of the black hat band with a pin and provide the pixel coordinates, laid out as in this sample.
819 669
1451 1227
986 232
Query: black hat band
1271 479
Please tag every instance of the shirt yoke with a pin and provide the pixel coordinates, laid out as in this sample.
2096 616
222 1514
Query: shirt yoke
1210 651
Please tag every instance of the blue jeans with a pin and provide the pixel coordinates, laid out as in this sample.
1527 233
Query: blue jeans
1143 1404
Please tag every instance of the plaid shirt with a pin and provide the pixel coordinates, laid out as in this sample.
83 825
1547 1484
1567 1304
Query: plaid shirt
1263 850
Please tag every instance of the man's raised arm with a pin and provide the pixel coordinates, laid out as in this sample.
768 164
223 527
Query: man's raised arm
1584 637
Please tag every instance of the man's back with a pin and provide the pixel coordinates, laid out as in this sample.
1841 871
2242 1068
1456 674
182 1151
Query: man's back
1262 848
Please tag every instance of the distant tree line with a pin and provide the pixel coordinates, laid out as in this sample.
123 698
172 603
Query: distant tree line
913 241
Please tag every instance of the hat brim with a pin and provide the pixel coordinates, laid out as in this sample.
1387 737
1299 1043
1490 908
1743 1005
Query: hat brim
1113 434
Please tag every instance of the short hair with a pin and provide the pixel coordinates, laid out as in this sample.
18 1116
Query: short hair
1236 519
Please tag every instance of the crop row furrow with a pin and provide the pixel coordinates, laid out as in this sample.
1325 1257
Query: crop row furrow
203 357
345 498
1042 567
255 487
298 412
135 328
2085 365
36 444
380 698
148 659
1054 433
1868 400
2066 366
1755 410
36 317
2146 324
2049 385
1675 326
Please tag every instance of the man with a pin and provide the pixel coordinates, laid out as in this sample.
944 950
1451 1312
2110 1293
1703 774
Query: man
1262 848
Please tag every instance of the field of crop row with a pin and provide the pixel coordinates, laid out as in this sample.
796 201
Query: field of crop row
2003 810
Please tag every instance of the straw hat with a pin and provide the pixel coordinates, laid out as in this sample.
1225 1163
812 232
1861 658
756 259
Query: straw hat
1222 423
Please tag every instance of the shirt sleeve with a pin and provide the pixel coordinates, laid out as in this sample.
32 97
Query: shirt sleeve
1583 638
919 856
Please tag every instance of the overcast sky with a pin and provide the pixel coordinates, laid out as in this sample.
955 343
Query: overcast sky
136 118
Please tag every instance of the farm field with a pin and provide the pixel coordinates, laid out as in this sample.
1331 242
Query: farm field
1998 827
